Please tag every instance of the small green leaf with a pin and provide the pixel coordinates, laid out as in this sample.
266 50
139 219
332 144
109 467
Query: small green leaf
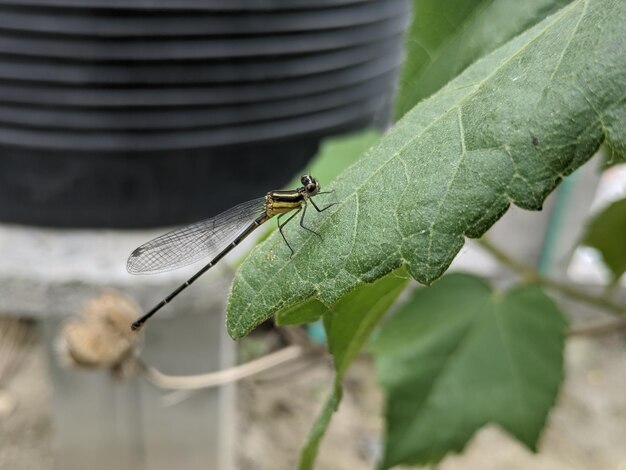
351 321
306 312
507 130
607 233
348 325
446 37
457 356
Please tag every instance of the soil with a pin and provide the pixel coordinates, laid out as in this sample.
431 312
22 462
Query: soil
587 429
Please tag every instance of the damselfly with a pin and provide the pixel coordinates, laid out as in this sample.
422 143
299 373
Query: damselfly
217 236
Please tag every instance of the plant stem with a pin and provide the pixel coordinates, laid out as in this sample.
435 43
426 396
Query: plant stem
531 275
221 377
600 328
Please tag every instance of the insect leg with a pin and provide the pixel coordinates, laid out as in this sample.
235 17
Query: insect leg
302 220
321 210
280 228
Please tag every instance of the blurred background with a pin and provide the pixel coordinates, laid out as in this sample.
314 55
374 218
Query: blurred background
119 119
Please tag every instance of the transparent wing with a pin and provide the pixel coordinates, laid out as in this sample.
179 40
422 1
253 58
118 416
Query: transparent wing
189 244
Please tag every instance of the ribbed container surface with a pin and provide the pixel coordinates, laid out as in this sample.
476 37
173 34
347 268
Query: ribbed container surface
158 112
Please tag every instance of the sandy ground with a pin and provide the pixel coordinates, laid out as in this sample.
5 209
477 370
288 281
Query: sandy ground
587 430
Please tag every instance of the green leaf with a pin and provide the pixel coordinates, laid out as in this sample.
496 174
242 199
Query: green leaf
307 312
351 321
458 356
348 325
446 37
607 233
506 131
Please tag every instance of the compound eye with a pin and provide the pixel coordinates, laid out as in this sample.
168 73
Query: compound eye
311 187
305 180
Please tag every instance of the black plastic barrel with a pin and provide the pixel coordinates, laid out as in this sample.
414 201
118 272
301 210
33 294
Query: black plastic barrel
122 113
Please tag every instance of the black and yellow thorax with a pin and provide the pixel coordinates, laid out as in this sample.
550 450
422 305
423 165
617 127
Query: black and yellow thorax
279 202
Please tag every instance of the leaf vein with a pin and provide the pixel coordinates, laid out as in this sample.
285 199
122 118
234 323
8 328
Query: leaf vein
569 41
